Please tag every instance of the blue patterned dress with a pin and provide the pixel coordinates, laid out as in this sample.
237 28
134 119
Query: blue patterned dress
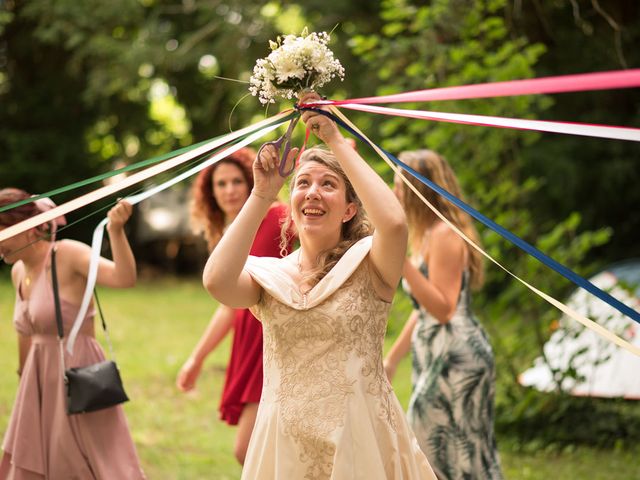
451 405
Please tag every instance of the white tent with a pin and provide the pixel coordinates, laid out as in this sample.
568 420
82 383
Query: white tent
600 368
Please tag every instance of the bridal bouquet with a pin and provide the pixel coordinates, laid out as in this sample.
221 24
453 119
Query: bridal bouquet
294 65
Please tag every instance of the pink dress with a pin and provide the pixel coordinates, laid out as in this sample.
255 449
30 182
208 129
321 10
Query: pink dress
42 441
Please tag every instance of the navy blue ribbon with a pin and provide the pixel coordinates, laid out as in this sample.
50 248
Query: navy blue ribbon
503 232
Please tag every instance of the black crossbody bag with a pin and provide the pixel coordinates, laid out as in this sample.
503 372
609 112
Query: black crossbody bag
93 387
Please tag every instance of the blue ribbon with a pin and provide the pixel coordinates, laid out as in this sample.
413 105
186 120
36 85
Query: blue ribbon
520 243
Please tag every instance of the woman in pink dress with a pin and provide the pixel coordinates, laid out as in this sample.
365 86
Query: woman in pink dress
219 193
42 441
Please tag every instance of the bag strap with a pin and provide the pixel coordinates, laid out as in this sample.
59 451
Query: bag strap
56 293
56 297
104 325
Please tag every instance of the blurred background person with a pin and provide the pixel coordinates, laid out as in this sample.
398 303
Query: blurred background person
42 441
219 193
451 409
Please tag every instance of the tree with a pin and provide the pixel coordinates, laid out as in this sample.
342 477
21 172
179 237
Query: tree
458 42
596 177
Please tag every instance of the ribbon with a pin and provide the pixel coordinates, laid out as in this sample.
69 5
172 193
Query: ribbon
558 84
103 176
44 204
520 243
545 85
98 233
393 162
138 177
583 129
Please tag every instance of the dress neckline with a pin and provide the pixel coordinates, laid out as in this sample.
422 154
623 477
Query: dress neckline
36 280
275 277
40 278
345 258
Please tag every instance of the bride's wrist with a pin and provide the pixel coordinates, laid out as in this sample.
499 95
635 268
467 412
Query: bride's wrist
264 196
337 140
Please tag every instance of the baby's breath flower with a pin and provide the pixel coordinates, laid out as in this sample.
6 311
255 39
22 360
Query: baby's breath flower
294 64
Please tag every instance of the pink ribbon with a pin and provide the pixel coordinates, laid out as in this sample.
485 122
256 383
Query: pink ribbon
559 84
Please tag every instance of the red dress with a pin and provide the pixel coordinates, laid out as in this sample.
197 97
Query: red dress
243 383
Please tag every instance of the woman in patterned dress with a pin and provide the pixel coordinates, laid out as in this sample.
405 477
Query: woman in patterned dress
451 405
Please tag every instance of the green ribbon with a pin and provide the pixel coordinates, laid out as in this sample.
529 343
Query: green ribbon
128 168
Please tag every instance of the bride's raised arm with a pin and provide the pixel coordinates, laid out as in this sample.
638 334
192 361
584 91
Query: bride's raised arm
382 207
223 276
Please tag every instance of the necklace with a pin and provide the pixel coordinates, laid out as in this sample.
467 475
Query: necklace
307 289
28 277
303 272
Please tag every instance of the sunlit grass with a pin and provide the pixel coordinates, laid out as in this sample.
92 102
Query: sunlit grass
155 326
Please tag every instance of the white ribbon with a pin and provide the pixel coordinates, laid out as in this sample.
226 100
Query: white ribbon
98 233
587 322
583 129
137 177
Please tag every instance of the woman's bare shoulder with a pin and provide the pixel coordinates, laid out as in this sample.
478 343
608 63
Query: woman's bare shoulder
73 253
68 246
17 272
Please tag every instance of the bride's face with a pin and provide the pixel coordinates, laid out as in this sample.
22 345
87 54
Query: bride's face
319 201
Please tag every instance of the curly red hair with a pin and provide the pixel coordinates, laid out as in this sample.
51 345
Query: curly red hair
206 215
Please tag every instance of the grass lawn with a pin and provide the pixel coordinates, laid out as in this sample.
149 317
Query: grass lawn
153 329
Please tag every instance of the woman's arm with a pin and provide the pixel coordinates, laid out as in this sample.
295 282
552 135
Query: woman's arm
224 277
119 273
220 325
439 293
383 208
401 347
24 341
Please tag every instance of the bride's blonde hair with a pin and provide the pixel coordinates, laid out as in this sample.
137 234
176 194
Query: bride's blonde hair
353 230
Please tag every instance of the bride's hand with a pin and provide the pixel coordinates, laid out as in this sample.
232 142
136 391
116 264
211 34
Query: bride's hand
323 127
267 181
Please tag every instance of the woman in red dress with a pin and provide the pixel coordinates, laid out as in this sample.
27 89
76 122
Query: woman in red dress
219 193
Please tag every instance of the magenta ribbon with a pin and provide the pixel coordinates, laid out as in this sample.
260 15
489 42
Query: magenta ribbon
558 84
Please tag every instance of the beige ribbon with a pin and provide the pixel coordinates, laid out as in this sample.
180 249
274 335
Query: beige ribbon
107 190
587 322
